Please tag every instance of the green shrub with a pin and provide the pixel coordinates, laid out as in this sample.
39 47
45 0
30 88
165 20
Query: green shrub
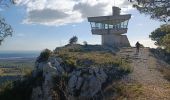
70 62
44 55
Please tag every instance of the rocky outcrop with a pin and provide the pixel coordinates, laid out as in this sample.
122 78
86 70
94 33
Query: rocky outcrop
86 82
82 82
43 92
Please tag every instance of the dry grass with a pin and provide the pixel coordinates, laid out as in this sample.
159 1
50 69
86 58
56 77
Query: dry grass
129 91
164 68
95 57
123 91
83 56
166 72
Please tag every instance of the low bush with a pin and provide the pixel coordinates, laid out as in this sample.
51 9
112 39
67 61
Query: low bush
44 55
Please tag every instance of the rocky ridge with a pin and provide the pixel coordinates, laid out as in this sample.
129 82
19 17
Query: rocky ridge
77 72
82 82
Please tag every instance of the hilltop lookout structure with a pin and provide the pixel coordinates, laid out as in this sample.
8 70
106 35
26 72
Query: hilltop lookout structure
111 28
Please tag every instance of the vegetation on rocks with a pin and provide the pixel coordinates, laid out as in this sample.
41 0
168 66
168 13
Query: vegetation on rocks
90 56
44 55
87 61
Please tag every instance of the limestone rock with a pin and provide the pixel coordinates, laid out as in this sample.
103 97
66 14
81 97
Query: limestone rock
86 82
82 82
90 87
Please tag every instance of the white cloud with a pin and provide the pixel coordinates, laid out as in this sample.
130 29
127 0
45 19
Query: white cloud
148 43
88 10
61 12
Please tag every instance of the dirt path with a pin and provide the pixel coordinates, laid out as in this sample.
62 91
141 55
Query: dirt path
154 86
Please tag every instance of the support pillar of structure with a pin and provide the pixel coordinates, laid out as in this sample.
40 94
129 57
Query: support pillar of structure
115 40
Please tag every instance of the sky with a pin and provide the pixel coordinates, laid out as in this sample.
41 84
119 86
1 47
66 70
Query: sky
40 24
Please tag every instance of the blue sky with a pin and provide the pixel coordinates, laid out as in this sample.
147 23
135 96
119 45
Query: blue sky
35 31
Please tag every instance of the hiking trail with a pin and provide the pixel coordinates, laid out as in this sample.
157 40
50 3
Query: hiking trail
145 72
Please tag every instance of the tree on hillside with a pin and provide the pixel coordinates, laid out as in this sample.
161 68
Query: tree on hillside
160 10
7 3
5 29
161 36
166 42
73 40
158 34
157 9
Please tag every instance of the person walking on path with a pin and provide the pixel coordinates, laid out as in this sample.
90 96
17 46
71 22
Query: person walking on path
137 47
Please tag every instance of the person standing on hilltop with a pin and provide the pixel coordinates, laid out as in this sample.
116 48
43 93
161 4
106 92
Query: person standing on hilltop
137 47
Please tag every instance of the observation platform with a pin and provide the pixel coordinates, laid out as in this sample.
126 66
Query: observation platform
111 28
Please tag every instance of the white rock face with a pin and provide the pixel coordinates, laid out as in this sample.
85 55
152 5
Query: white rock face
49 71
86 82
82 82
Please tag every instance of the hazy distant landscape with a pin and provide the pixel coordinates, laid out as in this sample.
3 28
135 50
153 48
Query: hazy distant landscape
13 65
11 55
